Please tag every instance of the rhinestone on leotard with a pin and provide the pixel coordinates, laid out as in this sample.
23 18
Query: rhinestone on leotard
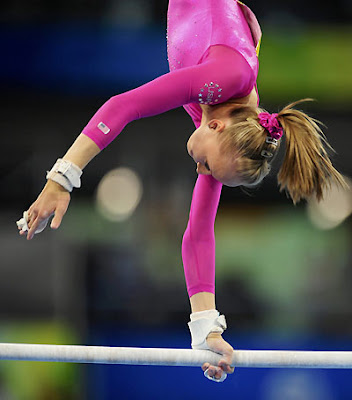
209 94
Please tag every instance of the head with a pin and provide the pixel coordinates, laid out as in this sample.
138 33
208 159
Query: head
204 146
231 148
247 137
243 155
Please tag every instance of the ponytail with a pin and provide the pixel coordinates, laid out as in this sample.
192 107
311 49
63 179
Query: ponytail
306 169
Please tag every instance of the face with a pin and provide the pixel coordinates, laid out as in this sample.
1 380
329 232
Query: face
204 147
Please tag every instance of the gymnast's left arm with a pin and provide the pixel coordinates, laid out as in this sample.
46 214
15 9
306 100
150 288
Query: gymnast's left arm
205 318
198 255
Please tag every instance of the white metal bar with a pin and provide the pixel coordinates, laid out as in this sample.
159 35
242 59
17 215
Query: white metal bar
173 357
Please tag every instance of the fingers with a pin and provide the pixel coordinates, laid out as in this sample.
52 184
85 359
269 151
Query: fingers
36 222
205 366
22 224
226 361
217 373
225 366
52 200
32 225
59 214
214 373
56 222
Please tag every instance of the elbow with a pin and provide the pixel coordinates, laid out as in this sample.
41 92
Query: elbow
197 236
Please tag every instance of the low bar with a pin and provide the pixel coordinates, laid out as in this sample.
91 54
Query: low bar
173 357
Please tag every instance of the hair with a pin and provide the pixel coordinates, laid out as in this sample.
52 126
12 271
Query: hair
306 170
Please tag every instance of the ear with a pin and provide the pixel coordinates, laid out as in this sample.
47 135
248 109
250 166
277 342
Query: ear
216 125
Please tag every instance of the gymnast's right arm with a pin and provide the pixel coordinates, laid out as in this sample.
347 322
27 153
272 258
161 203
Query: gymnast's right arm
172 90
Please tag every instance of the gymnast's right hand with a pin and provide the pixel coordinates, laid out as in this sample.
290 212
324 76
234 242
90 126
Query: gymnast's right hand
217 344
53 200
206 327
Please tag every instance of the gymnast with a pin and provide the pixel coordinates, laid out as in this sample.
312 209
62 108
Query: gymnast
213 58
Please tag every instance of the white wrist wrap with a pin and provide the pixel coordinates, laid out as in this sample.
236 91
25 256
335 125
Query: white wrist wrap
202 323
66 174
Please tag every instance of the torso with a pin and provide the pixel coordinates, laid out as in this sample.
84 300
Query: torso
195 25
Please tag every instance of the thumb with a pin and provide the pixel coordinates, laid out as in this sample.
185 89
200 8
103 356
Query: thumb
56 221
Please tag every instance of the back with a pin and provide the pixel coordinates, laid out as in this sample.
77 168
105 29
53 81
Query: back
195 25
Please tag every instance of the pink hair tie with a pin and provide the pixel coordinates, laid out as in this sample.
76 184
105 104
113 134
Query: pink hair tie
271 124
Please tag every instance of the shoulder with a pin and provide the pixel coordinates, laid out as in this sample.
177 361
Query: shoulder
233 68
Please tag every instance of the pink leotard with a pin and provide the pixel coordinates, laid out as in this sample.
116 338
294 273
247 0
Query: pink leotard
212 57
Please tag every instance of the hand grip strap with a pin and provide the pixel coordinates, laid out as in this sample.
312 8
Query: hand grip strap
66 174
202 324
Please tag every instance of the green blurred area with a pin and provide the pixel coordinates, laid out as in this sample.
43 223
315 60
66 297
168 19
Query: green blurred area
314 61
287 264
295 271
28 380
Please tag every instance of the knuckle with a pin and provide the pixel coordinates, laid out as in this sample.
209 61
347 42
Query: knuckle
34 212
42 214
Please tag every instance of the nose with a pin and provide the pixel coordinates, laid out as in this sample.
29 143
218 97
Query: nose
201 169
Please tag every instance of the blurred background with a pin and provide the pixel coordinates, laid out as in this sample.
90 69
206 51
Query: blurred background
112 274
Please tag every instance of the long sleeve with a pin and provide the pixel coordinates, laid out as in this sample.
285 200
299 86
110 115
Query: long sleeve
222 74
198 245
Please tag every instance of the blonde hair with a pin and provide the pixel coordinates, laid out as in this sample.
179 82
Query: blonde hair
306 169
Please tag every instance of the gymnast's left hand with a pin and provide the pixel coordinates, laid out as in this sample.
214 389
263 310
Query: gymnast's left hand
217 344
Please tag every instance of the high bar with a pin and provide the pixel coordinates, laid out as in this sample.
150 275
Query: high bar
173 357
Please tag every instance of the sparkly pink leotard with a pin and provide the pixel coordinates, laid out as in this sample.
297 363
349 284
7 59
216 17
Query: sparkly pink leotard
212 57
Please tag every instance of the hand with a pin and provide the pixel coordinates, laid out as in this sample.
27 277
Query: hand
217 344
53 200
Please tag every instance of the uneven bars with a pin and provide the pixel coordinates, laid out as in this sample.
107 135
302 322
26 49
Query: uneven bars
173 357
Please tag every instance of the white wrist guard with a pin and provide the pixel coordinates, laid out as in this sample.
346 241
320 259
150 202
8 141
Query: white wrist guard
66 174
202 323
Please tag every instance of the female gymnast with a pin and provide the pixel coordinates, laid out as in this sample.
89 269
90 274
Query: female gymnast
212 54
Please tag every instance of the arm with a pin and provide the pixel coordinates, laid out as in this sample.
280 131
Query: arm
205 302
198 245
198 254
225 67
82 151
54 199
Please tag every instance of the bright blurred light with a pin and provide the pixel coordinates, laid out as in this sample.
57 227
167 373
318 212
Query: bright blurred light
118 194
333 209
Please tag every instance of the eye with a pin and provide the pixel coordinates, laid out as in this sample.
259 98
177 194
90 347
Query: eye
207 166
